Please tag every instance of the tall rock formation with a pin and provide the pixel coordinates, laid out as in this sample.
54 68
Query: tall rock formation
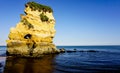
33 35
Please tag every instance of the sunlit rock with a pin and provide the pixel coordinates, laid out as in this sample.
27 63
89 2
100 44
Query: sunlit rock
33 35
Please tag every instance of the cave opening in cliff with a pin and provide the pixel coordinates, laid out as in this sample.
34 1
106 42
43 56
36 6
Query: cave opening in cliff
28 36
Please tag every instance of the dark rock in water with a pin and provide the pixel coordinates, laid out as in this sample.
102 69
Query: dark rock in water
7 53
62 50
75 49
92 51
88 51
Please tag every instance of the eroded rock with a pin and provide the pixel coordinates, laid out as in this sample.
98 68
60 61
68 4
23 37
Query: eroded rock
33 35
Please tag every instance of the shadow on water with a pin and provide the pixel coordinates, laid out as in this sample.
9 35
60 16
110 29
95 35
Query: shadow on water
29 65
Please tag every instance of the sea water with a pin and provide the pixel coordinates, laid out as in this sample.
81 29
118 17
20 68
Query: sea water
103 59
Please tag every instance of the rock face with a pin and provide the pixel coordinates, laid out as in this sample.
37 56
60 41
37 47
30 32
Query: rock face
33 35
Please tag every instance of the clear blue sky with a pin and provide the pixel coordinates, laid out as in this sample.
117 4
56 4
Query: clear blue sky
78 22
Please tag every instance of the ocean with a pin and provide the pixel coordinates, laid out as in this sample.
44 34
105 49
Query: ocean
77 59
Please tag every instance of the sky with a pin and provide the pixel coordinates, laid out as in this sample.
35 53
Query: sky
78 22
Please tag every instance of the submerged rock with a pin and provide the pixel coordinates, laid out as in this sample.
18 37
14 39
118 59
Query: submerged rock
33 35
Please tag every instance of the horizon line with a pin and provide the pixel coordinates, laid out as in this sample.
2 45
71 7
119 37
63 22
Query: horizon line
79 45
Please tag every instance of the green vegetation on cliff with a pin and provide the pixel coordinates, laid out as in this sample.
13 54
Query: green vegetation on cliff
36 6
43 17
25 22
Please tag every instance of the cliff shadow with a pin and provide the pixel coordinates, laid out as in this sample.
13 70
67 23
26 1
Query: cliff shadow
29 65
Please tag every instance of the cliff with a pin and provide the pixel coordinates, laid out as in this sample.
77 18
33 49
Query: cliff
33 35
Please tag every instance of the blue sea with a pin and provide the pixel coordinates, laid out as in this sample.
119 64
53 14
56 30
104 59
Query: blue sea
85 59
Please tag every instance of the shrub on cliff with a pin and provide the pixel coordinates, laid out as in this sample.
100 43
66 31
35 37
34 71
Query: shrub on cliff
39 7
43 17
25 22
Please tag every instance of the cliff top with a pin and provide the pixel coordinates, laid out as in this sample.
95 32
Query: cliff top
36 6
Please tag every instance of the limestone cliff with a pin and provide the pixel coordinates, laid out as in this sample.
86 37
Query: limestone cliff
33 35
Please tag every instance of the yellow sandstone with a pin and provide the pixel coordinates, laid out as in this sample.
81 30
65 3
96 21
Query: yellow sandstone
33 35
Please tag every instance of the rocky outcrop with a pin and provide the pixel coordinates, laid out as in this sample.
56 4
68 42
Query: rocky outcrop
33 35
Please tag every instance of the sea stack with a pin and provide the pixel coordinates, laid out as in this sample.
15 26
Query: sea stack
33 35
